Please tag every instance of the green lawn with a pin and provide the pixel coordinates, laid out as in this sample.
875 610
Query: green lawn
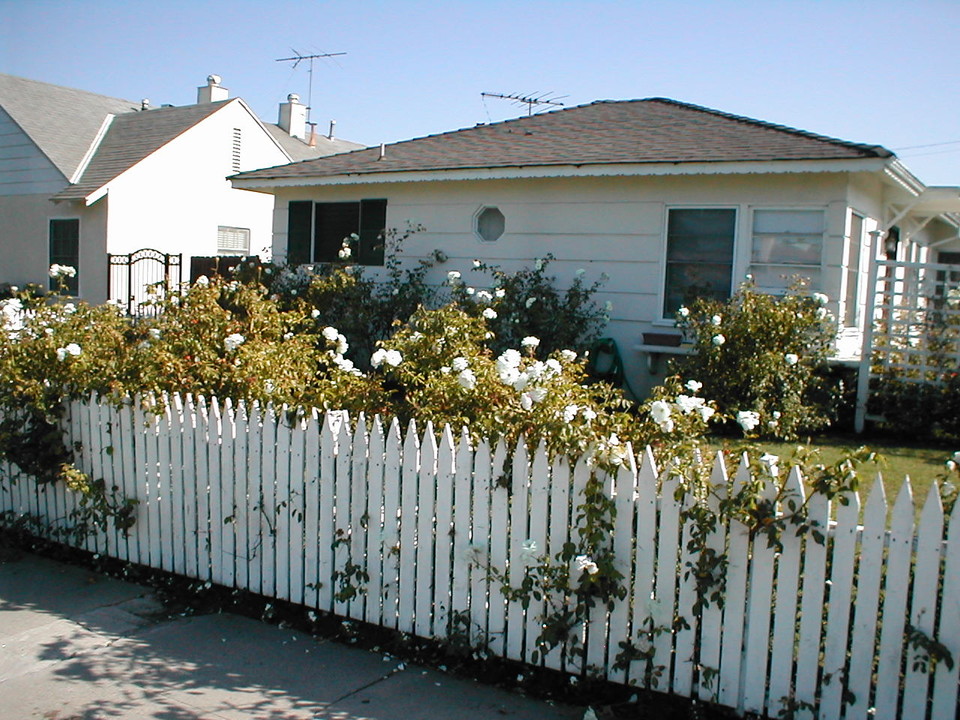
922 463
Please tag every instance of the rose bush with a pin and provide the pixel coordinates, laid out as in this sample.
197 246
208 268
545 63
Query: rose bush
763 359
528 303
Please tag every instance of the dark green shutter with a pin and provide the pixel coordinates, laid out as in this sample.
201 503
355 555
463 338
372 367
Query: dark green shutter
373 223
65 250
299 231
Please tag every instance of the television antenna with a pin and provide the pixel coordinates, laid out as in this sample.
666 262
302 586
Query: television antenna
529 100
299 58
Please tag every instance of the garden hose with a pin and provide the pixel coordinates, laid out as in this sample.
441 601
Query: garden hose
604 363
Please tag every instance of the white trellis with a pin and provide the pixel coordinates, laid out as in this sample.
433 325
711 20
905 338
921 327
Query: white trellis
915 328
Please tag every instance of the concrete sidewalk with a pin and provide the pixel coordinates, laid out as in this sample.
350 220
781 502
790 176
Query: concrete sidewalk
75 645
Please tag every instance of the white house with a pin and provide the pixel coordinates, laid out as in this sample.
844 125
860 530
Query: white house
83 175
670 200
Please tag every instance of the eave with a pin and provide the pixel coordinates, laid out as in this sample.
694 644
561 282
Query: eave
569 171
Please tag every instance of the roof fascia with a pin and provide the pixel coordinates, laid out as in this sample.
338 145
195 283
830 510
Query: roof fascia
574 171
898 174
94 146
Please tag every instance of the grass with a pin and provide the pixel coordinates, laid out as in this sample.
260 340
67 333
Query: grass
897 460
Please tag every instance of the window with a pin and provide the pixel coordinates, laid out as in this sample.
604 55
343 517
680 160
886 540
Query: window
490 224
65 250
786 243
233 240
851 312
699 256
316 230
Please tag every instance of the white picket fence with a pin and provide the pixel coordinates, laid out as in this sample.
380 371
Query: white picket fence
246 498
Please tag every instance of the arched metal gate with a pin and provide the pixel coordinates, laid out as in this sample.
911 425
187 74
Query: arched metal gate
141 276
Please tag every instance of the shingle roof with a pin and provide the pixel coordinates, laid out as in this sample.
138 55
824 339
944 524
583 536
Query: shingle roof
298 150
131 138
63 122
654 130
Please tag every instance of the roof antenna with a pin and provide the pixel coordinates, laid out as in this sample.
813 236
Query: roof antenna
528 100
296 60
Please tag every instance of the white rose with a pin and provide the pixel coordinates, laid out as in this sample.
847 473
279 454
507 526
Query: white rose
232 342
659 411
748 419
467 379
393 358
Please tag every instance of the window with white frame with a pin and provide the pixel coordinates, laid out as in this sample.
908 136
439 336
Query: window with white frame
699 260
851 306
233 240
786 244
490 224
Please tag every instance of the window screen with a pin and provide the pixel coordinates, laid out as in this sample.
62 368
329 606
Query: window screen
786 244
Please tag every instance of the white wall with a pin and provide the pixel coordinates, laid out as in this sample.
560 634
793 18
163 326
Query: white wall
175 199
615 226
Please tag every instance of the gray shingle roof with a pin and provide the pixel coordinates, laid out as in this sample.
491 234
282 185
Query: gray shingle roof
131 138
298 150
655 130
63 122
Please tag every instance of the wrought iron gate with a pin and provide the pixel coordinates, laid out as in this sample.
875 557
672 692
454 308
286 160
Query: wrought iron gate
141 276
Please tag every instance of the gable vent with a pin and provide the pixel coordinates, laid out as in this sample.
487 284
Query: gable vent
235 158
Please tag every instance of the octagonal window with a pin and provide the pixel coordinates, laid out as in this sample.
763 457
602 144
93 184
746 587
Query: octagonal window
490 224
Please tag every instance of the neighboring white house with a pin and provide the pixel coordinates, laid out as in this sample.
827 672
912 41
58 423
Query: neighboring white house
670 200
83 175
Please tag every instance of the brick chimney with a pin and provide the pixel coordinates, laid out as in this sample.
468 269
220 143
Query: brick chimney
293 117
213 91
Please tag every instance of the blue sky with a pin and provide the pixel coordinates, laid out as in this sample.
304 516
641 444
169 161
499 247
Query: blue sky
875 71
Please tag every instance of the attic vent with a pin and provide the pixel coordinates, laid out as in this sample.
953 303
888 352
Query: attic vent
236 150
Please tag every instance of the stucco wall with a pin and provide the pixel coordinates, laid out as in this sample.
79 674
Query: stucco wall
25 239
615 226
24 222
